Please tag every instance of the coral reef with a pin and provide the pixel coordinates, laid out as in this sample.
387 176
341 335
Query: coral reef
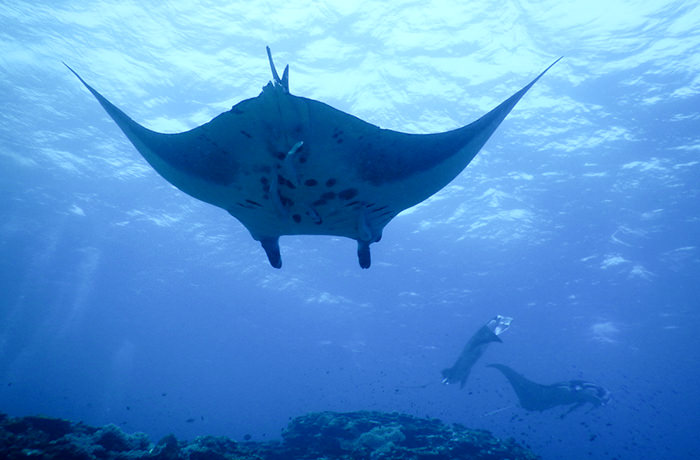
327 435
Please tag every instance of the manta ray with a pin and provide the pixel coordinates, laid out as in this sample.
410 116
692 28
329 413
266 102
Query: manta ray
287 165
537 397
475 347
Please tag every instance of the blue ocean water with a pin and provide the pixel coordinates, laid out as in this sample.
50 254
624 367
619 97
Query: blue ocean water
123 300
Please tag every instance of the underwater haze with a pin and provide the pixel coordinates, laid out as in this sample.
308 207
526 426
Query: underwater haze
124 300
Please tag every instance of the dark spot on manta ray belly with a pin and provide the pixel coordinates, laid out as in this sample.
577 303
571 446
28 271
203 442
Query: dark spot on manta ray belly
297 218
248 135
347 194
310 182
330 182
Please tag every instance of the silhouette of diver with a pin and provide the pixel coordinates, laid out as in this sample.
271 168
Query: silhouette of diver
474 348
534 396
